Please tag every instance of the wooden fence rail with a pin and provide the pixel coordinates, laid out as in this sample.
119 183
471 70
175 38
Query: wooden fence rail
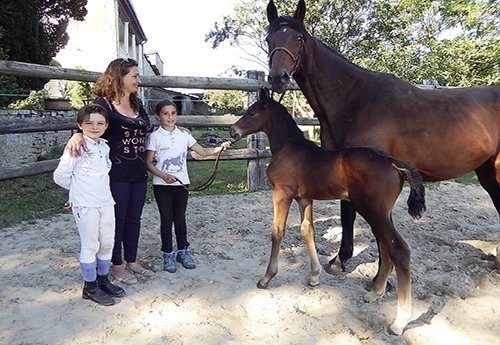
255 154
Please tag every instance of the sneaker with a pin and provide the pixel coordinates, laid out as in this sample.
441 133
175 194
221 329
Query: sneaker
169 262
184 258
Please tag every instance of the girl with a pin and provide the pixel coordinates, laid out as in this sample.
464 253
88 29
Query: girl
168 146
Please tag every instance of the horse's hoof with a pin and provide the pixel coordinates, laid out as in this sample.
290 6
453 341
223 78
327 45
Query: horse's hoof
396 330
313 281
332 269
372 296
262 285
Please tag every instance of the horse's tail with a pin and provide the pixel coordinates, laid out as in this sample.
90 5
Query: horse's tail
416 200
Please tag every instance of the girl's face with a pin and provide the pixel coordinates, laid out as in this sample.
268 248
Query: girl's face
167 116
131 81
94 126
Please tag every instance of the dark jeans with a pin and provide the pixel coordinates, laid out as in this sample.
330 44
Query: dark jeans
172 202
129 198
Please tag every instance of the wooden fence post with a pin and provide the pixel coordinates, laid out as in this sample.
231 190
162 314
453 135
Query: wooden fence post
256 168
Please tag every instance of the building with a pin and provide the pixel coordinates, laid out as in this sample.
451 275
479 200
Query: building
112 30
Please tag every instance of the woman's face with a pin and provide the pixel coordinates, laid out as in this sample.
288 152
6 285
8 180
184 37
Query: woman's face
131 80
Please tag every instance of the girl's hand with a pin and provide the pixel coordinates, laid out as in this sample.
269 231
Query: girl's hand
225 145
74 145
169 178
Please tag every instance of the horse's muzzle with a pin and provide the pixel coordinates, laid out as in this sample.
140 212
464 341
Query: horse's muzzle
234 133
279 79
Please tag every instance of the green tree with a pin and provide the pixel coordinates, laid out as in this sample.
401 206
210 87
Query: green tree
456 42
226 101
35 30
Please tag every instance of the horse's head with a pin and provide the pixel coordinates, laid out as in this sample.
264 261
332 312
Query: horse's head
255 119
285 40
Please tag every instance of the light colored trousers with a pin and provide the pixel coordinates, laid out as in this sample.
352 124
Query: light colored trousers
96 226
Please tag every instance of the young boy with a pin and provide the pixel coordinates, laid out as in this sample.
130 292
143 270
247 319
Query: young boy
86 177
168 146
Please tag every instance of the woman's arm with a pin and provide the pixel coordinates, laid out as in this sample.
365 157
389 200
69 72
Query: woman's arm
74 145
155 171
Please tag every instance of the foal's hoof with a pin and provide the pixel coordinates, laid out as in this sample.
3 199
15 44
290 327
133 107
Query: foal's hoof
372 296
262 285
313 281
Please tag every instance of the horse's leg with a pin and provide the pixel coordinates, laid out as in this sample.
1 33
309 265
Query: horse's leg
347 217
307 231
486 175
281 207
393 250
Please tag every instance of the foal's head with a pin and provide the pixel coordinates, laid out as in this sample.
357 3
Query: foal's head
257 118
285 40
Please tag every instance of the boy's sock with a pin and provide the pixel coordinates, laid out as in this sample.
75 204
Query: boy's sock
88 271
103 266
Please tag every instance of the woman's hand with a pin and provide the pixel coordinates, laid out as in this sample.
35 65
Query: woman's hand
67 206
184 129
74 145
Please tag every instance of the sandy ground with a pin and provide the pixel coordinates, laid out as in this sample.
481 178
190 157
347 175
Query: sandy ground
456 292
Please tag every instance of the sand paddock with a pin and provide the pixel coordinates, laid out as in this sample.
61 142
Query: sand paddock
456 292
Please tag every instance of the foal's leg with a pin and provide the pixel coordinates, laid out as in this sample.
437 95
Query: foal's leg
486 175
307 231
393 250
347 217
281 207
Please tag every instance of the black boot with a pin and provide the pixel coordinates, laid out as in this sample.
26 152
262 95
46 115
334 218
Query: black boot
105 285
91 291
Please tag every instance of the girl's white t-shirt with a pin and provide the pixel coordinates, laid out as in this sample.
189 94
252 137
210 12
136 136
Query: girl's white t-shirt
170 153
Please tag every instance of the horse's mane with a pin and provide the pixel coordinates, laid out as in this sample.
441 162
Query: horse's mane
286 120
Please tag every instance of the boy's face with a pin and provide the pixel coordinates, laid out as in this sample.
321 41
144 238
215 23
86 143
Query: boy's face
167 116
94 126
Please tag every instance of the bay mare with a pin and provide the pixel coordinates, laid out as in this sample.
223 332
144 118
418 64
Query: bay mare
444 133
371 179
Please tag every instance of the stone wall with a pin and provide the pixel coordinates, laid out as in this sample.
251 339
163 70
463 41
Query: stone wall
22 148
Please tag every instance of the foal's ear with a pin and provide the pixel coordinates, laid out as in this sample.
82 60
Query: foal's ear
272 12
300 12
263 95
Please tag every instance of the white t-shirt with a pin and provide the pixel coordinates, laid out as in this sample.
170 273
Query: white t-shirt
170 153
86 176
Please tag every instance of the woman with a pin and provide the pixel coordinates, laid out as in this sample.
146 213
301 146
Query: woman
116 91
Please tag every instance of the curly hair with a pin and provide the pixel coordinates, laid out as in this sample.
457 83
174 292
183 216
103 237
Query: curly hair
110 84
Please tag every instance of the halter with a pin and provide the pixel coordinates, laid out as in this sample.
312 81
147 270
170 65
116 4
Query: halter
295 59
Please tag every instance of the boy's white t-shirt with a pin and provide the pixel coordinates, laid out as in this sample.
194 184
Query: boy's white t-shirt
86 176
170 153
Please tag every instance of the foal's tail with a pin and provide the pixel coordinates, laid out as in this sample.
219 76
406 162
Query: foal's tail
416 200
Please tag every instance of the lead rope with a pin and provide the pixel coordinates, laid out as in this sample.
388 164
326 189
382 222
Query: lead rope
210 180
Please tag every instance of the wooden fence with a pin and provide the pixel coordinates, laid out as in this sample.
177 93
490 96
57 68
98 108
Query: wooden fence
255 153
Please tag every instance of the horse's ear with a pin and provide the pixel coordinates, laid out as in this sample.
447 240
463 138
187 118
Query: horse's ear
300 12
272 12
263 95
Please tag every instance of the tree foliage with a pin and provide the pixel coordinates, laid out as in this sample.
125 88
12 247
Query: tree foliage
455 42
34 31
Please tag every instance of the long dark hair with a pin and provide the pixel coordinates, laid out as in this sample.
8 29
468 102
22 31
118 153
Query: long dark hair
110 84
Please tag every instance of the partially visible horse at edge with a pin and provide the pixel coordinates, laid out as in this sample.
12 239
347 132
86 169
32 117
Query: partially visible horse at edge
371 179
443 133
